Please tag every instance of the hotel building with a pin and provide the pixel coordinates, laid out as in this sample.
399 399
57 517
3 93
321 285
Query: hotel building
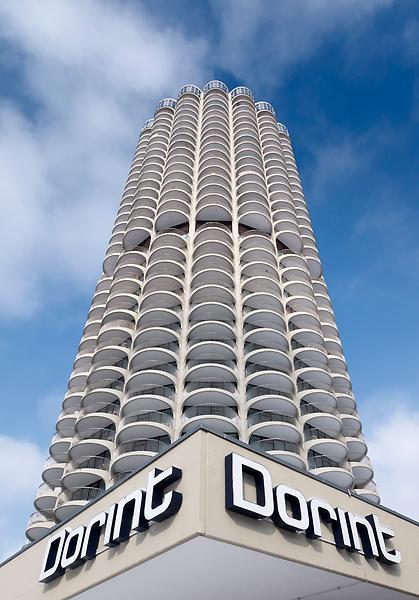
211 334
211 310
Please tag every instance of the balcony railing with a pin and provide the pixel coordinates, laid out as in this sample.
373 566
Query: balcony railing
92 462
318 461
151 445
36 517
270 445
316 434
253 391
149 416
264 415
95 434
159 390
111 409
210 409
220 385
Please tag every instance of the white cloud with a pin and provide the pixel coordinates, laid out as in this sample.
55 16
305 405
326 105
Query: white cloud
21 464
393 444
91 71
291 32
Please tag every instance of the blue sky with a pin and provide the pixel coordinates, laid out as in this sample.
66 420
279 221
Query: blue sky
77 81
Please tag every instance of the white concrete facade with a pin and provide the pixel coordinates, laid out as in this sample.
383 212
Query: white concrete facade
211 310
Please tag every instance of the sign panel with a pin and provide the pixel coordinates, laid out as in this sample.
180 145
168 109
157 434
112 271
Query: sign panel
290 510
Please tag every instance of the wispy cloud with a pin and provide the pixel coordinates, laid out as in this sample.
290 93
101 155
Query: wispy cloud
393 444
91 72
291 31
20 466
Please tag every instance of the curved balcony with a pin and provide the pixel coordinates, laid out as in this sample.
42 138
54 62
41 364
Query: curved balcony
213 247
329 331
132 455
165 267
126 285
137 232
255 269
262 376
110 355
204 392
212 277
288 452
52 472
298 288
211 350
270 399
312 378
86 470
362 471
158 317
213 232
288 234
72 401
261 283
332 470
315 400
213 206
38 527
342 383
169 238
322 442
59 447
167 253
211 311
122 301
92 441
265 338
66 422
77 380
111 258
212 293
207 370
154 358
357 448
221 418
346 403
144 424
265 359
261 257
46 498
273 424
157 337
171 214
369 492
351 425
69 502
116 333
252 215
151 374
264 301
264 319
212 330
313 262
163 283
215 85
337 364
301 303
159 398
303 320
161 299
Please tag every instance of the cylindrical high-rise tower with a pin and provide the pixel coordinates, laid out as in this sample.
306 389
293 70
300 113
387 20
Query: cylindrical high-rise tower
211 309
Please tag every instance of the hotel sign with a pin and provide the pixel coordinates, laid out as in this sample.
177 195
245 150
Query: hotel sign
290 510
285 506
136 512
